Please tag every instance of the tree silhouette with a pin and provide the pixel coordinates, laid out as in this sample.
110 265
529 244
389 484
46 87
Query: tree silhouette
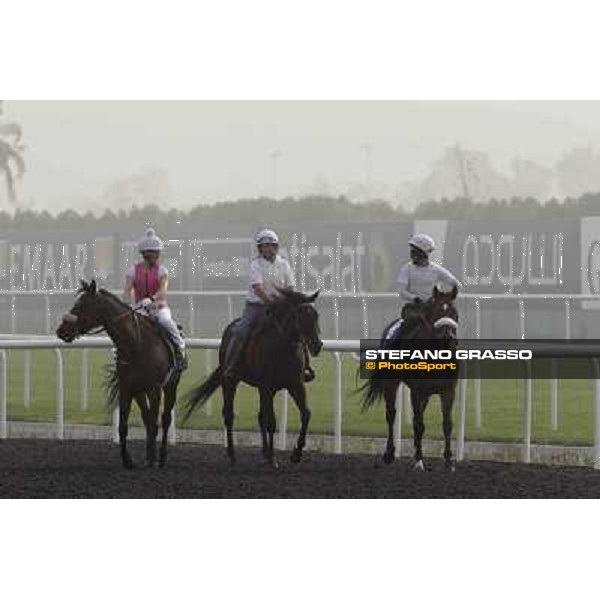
11 157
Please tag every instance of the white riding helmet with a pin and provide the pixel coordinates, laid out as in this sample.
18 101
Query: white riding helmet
423 242
267 236
150 242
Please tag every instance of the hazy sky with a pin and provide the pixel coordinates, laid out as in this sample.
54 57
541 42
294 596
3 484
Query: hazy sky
221 150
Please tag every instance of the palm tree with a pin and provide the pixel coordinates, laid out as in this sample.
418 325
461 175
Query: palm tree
10 153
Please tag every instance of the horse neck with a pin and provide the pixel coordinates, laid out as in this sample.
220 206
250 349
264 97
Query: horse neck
124 330
278 323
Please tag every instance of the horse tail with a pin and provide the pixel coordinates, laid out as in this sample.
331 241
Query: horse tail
197 397
374 387
372 390
111 384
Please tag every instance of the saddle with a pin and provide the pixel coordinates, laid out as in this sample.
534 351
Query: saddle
164 335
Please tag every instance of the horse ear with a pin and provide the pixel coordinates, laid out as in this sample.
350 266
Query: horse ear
436 292
93 286
314 296
454 292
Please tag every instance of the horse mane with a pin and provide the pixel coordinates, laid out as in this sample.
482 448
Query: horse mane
114 298
290 296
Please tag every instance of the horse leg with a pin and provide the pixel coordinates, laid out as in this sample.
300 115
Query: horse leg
390 416
419 402
149 420
152 426
298 393
447 398
267 421
170 396
229 387
124 409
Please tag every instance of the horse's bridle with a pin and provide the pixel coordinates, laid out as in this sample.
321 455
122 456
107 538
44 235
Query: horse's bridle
102 328
430 324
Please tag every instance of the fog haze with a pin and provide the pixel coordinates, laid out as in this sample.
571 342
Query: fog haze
185 153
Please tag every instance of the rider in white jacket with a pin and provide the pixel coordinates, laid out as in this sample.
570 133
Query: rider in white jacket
418 277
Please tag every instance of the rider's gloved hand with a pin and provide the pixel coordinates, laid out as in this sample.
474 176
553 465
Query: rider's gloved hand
146 303
417 300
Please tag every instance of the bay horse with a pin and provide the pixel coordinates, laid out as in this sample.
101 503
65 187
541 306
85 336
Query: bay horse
438 321
273 359
143 363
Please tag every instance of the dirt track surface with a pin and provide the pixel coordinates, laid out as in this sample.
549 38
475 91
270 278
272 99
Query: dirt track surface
92 469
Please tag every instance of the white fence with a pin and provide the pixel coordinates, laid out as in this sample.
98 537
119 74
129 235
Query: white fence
524 300
525 303
336 347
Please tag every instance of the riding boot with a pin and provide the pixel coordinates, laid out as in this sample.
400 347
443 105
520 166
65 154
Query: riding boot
309 373
232 357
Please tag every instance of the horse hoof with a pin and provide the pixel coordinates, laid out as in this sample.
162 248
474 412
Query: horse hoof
388 458
296 456
419 466
128 464
451 466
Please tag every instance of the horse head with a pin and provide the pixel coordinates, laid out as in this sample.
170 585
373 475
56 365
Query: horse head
296 310
85 315
443 314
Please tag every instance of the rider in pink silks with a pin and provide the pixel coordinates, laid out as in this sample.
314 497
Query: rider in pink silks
147 281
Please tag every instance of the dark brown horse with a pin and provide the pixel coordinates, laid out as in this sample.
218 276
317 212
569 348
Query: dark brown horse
438 322
143 363
273 360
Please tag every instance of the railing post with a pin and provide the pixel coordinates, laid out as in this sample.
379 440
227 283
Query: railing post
13 316
191 328
27 379
522 317
337 408
47 311
60 395
172 435
477 393
527 414
229 308
336 318
398 423
365 317
208 407
283 420
477 374
84 379
554 394
408 415
462 416
115 424
3 396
